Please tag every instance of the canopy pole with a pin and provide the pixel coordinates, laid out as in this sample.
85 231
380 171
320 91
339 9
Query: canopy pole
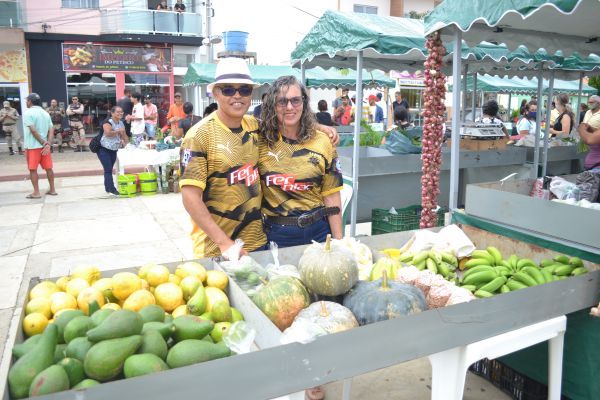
547 130
455 139
578 110
508 109
474 99
464 101
356 148
538 120
303 73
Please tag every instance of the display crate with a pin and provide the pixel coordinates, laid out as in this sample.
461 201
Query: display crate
406 219
511 382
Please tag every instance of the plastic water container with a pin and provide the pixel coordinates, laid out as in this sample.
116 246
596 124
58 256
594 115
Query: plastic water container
235 40
148 183
127 185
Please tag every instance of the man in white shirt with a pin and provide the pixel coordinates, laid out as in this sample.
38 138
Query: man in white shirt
384 107
137 119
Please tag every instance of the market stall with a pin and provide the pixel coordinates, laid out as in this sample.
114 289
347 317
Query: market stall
288 368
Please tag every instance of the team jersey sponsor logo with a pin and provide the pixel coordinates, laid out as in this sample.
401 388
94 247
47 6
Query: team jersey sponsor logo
337 165
186 156
288 183
245 173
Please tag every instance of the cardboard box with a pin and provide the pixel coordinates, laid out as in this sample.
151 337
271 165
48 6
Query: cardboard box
481 144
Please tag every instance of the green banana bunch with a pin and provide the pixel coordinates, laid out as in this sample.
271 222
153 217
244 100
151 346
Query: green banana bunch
442 263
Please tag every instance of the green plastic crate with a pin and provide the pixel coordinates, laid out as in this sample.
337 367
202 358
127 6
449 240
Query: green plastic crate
407 219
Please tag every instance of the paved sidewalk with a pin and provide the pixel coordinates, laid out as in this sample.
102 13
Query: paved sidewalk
48 237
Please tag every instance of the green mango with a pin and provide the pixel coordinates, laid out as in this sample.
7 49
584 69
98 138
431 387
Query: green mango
59 353
191 327
164 328
143 364
74 369
153 343
51 380
193 351
105 360
63 319
86 383
77 327
78 348
20 349
119 324
99 316
152 313
198 302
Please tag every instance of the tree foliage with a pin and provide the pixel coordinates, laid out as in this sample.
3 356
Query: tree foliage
595 83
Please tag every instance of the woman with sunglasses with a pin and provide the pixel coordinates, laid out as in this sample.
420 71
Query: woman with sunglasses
113 138
299 169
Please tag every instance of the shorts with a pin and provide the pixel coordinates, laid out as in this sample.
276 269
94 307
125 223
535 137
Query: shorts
34 158
151 130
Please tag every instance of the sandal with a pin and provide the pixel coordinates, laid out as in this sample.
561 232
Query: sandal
315 393
52 193
30 196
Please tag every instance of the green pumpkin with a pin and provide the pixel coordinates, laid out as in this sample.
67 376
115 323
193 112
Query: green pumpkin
281 300
381 300
330 316
328 271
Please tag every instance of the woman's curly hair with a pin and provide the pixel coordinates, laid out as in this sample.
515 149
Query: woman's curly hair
269 124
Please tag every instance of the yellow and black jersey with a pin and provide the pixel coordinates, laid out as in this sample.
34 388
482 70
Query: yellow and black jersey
295 177
223 163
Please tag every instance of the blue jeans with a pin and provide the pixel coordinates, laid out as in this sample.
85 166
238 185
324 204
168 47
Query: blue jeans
107 159
286 235
151 130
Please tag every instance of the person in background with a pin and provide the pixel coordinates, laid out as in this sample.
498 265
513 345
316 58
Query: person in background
401 117
39 133
113 138
553 113
179 6
337 102
526 125
189 120
384 107
210 109
366 110
343 114
162 5
583 108
299 169
8 120
257 110
75 115
126 105
176 113
523 107
56 115
150 117
563 123
399 102
375 112
323 117
589 132
136 119
490 115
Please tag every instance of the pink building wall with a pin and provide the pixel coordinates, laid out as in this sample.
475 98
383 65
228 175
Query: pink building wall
63 20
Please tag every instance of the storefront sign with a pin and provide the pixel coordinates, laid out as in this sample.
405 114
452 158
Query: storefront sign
407 79
13 65
99 57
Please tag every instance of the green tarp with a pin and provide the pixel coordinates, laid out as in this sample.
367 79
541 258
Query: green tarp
203 74
567 25
495 84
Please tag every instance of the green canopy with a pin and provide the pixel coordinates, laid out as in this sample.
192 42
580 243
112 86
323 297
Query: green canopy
203 74
567 25
495 84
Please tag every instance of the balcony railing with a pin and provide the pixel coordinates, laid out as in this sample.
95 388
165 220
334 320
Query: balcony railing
123 20
9 13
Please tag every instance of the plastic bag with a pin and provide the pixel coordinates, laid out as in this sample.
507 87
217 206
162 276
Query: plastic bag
277 270
398 143
239 337
244 270
302 331
564 189
362 254
588 183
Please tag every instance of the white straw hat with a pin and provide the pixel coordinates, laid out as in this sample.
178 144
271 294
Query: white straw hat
232 70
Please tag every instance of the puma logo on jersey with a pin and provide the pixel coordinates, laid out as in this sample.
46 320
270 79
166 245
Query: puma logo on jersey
276 156
224 147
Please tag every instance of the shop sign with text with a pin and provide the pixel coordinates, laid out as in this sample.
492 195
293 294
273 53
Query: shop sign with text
101 57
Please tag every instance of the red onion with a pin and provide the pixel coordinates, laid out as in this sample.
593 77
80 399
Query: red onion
433 112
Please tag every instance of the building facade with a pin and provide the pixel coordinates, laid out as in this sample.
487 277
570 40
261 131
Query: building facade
96 49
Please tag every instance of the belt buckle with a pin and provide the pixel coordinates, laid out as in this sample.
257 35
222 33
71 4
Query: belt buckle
304 220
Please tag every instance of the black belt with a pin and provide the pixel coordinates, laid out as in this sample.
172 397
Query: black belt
306 219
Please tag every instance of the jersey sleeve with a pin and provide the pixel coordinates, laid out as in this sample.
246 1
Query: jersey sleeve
193 165
332 181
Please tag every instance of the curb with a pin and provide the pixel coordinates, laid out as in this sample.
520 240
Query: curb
66 174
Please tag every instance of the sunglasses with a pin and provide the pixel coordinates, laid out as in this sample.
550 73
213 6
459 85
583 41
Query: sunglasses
296 101
230 91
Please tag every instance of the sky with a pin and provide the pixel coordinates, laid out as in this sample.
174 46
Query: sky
274 26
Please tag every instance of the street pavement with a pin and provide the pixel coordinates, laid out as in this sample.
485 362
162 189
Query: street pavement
48 237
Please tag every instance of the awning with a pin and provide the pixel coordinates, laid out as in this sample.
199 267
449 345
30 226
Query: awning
203 74
495 84
539 24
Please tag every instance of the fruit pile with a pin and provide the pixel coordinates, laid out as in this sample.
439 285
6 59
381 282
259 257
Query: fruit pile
84 329
487 273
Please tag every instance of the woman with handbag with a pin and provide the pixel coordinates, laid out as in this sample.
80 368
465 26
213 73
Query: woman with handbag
113 138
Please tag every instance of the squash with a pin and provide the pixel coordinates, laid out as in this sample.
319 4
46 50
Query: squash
330 316
281 300
381 300
388 264
328 270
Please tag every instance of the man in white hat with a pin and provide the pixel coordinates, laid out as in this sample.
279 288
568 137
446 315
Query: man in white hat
219 182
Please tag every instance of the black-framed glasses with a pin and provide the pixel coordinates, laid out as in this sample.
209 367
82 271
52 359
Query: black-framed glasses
296 101
229 91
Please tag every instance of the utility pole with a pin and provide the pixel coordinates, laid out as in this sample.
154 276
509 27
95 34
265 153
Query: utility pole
209 15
